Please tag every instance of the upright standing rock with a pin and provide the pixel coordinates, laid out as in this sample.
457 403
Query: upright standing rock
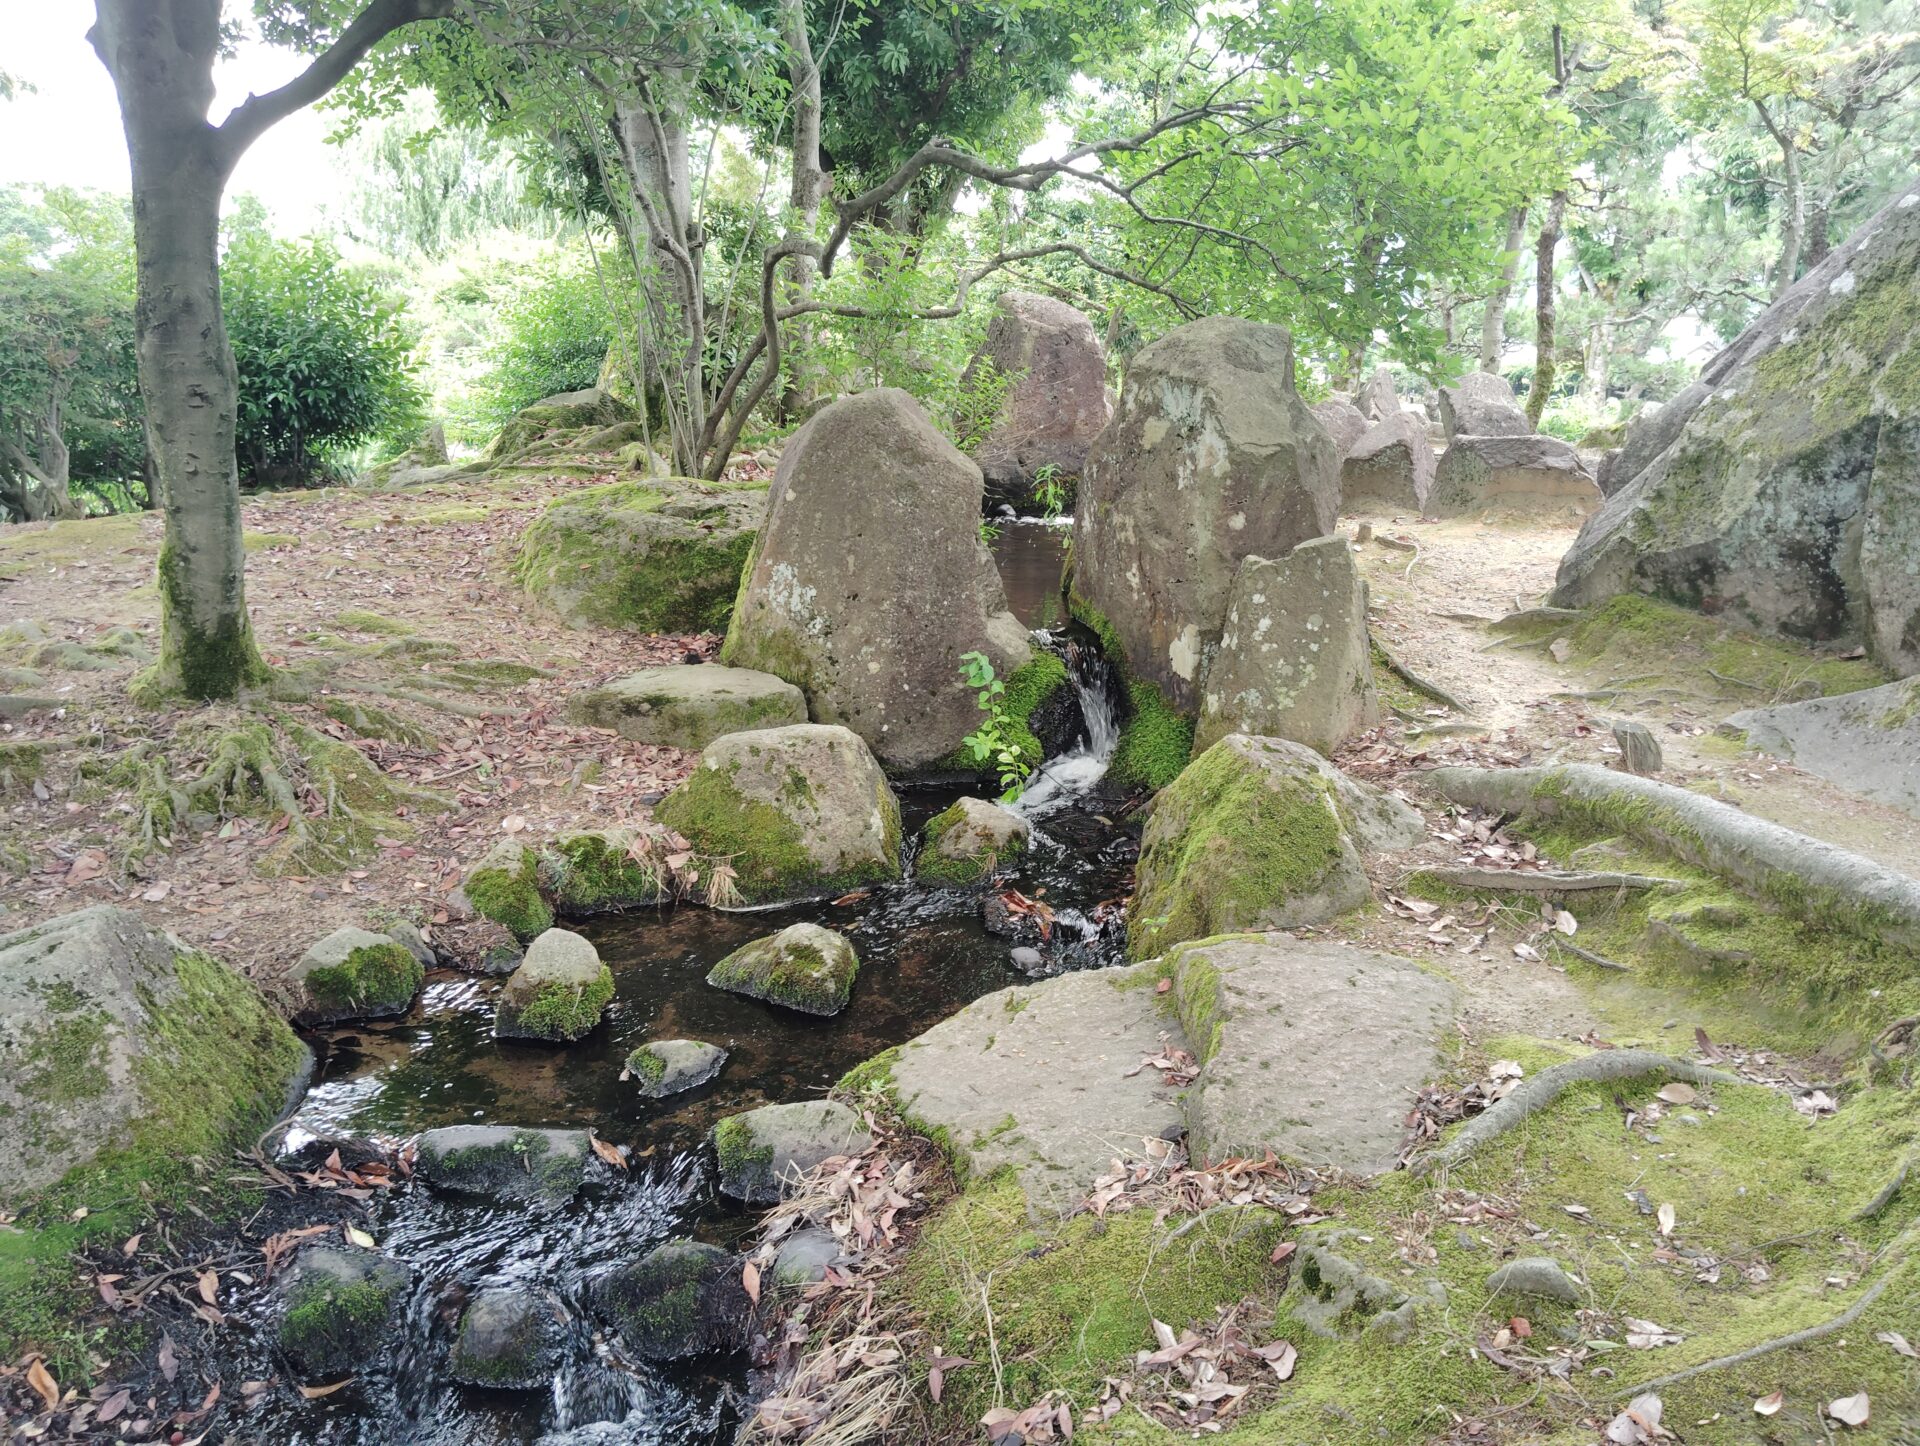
1211 457
1378 400
1294 660
1481 404
1534 476
1051 414
871 580
1343 422
1389 467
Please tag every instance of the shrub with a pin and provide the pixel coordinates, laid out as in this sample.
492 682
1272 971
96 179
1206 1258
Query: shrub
554 336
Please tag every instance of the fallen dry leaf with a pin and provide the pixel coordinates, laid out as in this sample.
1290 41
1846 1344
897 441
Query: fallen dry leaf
1638 1424
314 1393
1850 1410
43 1383
1770 1404
608 1152
1668 1218
1678 1093
750 1281
1898 1342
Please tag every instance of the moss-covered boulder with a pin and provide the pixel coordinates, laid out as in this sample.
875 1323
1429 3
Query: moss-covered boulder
803 967
763 1151
965 843
334 1309
871 582
1258 833
650 557
688 705
596 870
505 887
509 1339
355 974
1782 489
542 1167
800 812
665 1067
683 1298
125 1056
557 994
562 414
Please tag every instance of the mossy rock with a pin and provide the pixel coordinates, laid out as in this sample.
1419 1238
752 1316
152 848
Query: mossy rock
355 974
505 887
803 967
541 1167
687 705
22 765
665 1067
652 557
563 414
335 1309
965 843
1258 833
595 871
509 1339
557 994
683 1298
800 812
762 1151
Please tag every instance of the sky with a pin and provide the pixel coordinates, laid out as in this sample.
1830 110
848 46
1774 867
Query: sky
68 131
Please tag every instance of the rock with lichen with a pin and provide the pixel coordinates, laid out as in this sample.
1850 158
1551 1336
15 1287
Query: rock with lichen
557 994
355 974
1389 467
665 1067
501 1162
1258 833
803 967
762 1151
1530 476
683 1298
509 1339
1481 404
504 886
334 1309
125 1057
967 841
798 812
688 705
1056 403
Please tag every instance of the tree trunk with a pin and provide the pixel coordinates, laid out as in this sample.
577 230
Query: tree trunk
809 188
1493 326
1543 307
1794 225
161 60
1817 243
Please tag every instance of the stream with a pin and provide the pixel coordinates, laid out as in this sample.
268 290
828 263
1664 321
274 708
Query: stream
925 951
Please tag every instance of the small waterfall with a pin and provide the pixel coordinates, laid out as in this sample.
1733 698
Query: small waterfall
1073 774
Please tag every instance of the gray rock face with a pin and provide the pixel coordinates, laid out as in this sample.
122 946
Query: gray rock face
1211 457
1531 475
1536 1275
966 842
1294 661
1051 415
688 705
803 967
1258 833
871 580
521 1166
1389 468
355 974
509 1339
801 811
1481 404
334 1308
1867 742
1309 1049
1041 1078
1782 489
1342 421
424 462
683 1298
101 1039
557 993
761 1150
673 1066
562 412
1377 399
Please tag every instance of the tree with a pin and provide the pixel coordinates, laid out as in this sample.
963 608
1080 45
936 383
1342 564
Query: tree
160 55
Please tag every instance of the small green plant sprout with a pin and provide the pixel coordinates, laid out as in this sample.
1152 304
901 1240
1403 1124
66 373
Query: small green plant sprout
989 530
993 741
1049 492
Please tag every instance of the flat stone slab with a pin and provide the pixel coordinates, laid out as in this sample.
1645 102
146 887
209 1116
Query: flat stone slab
1038 1077
1867 742
688 705
1310 1049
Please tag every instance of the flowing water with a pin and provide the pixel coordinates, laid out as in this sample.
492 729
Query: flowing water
925 952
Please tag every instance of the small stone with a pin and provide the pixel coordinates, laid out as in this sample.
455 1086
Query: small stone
683 1298
1537 1275
1027 960
335 1305
805 1257
968 841
509 1339
409 937
520 1166
762 1150
1639 749
355 974
803 967
673 1066
557 993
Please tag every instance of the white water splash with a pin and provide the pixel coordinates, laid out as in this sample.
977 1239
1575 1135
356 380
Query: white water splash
1059 781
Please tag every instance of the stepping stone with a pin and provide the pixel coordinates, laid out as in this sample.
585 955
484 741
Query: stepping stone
520 1166
688 705
672 1066
761 1150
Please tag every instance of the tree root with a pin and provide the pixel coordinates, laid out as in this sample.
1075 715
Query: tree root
1545 881
1599 961
1803 875
444 705
1414 681
1884 1196
1543 1089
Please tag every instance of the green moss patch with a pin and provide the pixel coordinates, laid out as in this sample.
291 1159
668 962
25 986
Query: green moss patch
378 978
564 1012
510 895
1156 740
587 873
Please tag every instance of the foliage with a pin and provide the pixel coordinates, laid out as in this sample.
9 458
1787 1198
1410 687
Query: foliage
323 357
996 741
1049 492
554 335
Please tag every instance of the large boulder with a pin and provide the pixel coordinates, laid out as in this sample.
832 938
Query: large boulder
1343 422
682 1298
799 812
557 994
688 705
1867 742
1294 659
550 418
1377 400
1211 457
355 974
1532 476
649 557
334 1308
871 581
122 1051
762 1151
1783 487
1389 468
1481 404
1042 1079
1258 833
803 967
1052 413
1307 1048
